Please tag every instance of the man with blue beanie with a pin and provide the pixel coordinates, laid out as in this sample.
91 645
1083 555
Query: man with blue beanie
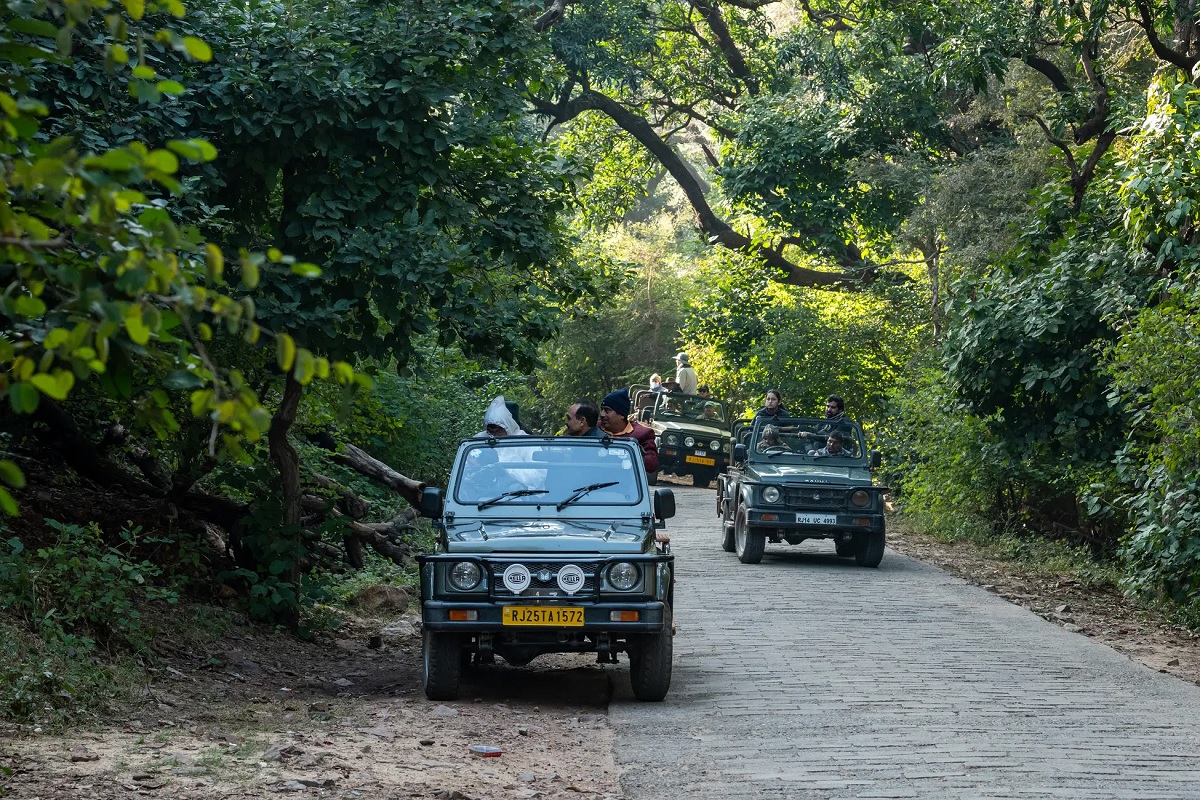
614 419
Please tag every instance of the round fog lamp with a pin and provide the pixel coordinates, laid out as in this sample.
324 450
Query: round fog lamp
689 442
570 578
624 576
465 575
861 499
715 444
771 494
517 578
672 439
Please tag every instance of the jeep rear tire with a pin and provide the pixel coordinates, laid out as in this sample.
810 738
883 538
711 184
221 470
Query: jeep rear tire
844 547
652 478
870 549
703 477
748 543
650 662
442 657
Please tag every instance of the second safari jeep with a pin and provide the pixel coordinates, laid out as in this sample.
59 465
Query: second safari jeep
789 482
547 545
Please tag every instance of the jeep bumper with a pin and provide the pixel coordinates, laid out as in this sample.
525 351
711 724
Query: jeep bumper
814 523
488 618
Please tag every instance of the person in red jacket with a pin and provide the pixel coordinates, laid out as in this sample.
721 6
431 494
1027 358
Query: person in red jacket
614 419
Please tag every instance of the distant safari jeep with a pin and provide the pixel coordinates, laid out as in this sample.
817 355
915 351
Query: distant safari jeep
547 545
692 433
797 479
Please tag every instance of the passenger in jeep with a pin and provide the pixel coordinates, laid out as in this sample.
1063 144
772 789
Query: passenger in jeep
770 440
834 446
614 419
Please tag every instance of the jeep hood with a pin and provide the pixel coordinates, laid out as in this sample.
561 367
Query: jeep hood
498 535
811 473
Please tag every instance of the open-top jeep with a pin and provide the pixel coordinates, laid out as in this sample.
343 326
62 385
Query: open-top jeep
692 433
547 545
797 479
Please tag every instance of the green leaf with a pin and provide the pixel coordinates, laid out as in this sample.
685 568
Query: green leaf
170 87
306 270
163 161
215 260
183 379
136 8
8 503
144 72
285 351
197 48
23 398
305 367
55 338
11 474
193 149
55 386
138 332
249 273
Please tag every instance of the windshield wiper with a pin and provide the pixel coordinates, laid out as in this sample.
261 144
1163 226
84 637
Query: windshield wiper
506 495
582 490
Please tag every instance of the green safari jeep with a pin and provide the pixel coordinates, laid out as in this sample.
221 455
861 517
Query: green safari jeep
797 479
547 545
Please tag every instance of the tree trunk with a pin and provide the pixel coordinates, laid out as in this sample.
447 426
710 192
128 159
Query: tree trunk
287 461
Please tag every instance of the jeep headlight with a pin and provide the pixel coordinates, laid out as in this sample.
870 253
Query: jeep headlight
465 575
623 576
715 444
672 439
860 498
771 494
689 442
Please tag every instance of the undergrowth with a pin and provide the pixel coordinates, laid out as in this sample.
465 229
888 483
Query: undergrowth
1033 552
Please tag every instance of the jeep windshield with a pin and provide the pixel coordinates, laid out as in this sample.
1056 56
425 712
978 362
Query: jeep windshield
547 472
829 443
689 408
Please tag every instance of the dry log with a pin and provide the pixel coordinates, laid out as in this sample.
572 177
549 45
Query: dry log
360 461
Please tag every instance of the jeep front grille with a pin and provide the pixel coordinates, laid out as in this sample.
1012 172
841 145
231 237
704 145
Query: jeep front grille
815 498
543 578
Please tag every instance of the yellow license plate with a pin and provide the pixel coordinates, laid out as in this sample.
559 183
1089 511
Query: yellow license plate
708 462
553 616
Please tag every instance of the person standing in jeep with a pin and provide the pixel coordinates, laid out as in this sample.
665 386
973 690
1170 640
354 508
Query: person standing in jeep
614 419
835 413
685 376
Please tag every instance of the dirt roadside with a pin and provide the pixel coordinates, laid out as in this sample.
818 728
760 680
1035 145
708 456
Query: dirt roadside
263 715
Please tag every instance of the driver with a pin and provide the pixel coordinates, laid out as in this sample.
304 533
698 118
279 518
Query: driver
770 440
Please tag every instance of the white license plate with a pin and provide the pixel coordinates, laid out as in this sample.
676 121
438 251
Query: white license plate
701 452
816 519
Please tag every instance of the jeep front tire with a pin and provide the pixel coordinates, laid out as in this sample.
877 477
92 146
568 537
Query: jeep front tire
442 656
650 662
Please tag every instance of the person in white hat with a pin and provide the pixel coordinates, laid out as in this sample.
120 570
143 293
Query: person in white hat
685 376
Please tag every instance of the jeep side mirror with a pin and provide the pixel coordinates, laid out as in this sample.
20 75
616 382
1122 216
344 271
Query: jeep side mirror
876 459
431 502
664 503
739 453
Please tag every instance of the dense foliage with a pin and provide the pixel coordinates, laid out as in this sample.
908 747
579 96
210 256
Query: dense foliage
241 240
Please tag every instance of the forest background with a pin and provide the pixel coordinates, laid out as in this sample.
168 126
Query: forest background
262 261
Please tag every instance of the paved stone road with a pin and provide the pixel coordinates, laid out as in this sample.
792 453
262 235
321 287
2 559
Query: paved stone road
807 676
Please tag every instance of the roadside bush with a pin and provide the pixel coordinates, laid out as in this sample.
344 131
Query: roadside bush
81 586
